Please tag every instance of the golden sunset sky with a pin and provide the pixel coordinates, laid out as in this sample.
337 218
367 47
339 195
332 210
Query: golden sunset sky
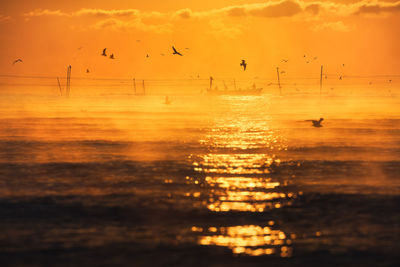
49 35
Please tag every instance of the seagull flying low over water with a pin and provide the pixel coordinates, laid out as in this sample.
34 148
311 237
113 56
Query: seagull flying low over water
17 60
316 123
104 52
175 52
244 64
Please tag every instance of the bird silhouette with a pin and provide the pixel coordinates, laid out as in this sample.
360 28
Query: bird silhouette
243 64
17 60
283 72
112 56
316 123
285 60
104 52
175 52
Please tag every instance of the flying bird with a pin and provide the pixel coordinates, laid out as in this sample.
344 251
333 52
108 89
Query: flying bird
187 48
175 52
285 60
316 123
17 60
104 52
112 56
283 72
243 64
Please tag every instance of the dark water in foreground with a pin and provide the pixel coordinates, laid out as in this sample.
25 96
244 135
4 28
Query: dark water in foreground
224 181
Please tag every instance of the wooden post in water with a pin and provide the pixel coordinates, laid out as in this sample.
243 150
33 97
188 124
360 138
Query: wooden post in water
144 89
68 80
59 86
134 85
279 81
320 82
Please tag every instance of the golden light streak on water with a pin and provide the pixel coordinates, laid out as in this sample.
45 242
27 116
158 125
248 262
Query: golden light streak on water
243 182
252 240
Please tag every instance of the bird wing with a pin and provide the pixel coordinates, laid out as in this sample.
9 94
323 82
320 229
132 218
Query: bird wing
173 48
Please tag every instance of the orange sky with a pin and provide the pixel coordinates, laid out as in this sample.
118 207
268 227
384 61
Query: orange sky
48 35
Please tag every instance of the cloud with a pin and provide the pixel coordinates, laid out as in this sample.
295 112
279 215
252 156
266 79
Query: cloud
334 26
184 13
377 7
162 21
116 24
219 28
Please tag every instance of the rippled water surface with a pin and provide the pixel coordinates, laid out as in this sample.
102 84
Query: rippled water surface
204 181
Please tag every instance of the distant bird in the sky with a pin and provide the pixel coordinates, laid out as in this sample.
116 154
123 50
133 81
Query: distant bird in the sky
104 52
187 48
175 52
17 61
341 78
147 56
343 64
243 64
87 71
112 56
316 123
283 72
285 60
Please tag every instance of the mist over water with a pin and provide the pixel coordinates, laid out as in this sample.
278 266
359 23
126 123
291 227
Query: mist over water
113 178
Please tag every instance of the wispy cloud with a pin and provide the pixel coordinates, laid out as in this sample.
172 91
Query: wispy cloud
334 26
4 18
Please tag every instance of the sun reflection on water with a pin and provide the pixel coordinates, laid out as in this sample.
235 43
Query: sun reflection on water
252 240
238 172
